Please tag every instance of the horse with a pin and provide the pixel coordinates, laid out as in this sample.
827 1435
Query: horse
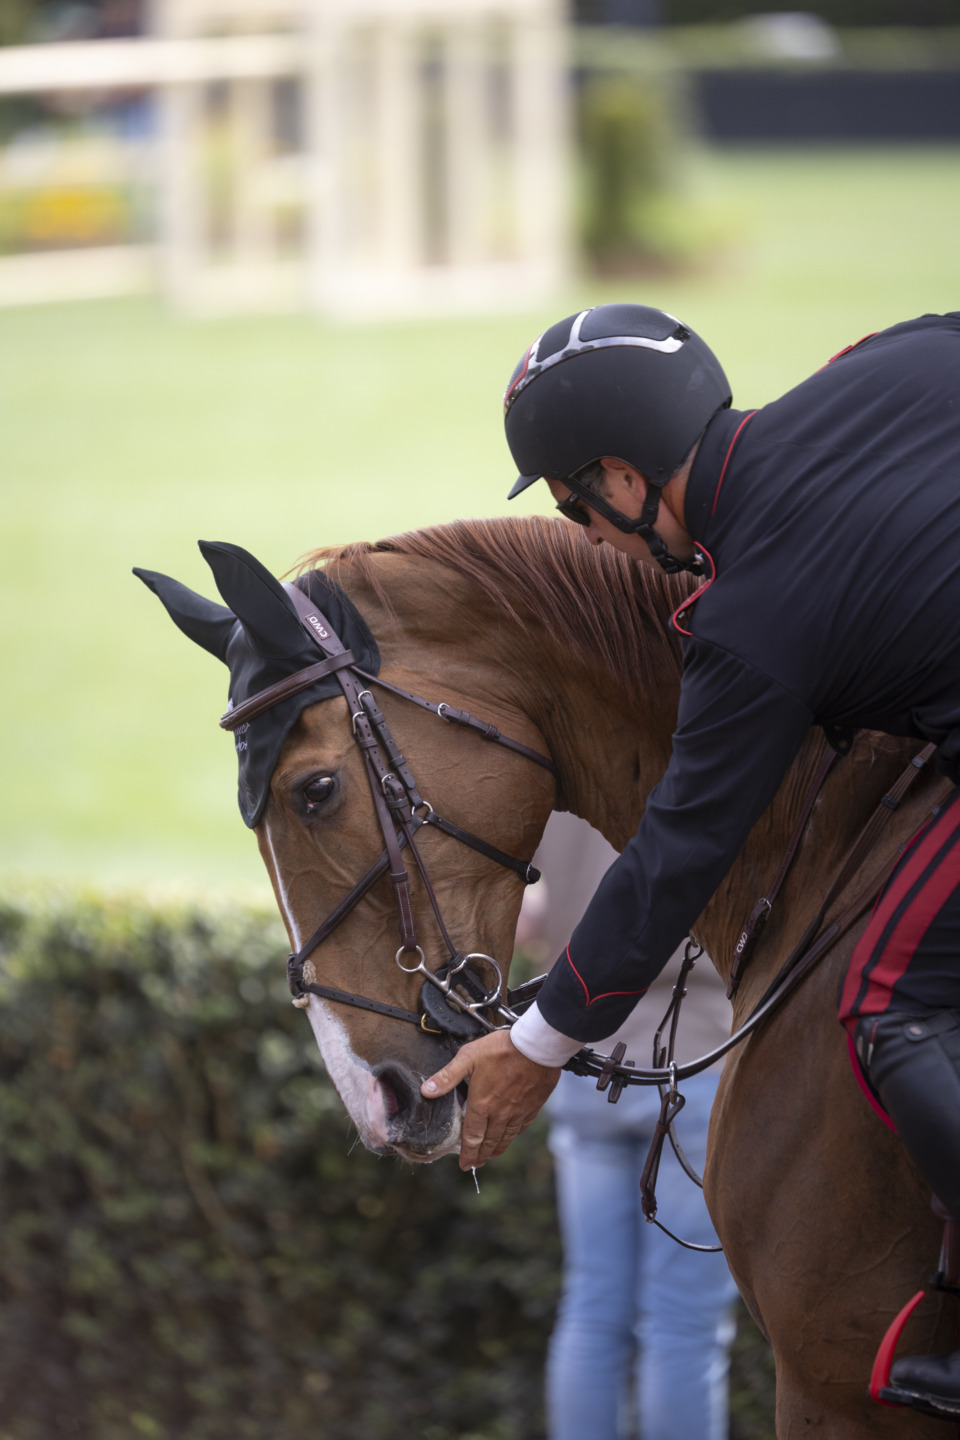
825 1221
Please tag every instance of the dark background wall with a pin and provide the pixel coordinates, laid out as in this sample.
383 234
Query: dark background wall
699 12
828 105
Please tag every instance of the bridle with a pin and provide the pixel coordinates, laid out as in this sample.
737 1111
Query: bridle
457 999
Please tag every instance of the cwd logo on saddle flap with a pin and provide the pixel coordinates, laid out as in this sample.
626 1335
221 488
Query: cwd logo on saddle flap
314 622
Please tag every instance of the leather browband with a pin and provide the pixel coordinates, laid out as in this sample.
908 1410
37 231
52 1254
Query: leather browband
292 685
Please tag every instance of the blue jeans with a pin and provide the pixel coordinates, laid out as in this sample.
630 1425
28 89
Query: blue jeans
634 1300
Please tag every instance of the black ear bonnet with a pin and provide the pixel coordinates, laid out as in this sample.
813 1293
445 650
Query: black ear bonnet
261 639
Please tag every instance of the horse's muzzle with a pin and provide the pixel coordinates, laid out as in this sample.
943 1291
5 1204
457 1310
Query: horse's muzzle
417 1129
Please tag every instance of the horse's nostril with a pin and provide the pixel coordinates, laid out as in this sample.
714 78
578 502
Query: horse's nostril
396 1091
415 1127
391 1104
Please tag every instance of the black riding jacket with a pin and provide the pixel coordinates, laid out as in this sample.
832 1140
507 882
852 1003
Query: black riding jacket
832 518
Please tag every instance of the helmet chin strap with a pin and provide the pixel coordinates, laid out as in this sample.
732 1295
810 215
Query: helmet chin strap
642 526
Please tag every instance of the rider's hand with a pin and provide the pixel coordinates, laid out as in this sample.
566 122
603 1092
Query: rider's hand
506 1092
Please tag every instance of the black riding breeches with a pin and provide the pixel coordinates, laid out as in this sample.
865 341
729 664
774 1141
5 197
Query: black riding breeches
913 1065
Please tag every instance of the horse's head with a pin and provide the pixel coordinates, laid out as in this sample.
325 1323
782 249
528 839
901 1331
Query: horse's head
323 810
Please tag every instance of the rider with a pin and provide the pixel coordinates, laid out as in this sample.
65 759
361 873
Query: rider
827 525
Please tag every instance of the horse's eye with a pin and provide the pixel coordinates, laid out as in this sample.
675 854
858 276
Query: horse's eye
317 791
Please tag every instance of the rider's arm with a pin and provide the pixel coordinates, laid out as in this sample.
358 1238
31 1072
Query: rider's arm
737 733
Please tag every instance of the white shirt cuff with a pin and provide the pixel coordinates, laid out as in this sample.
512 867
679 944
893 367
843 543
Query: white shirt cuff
539 1041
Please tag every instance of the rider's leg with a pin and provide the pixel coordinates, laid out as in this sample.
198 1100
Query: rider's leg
913 1063
901 1003
914 1066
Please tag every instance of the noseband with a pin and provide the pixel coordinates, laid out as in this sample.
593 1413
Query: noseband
458 998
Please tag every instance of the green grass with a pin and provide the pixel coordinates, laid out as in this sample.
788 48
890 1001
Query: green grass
127 433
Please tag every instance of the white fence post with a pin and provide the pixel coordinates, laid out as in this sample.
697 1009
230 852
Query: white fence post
399 163
540 144
417 195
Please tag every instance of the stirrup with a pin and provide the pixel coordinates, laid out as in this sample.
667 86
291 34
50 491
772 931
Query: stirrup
884 1393
946 1279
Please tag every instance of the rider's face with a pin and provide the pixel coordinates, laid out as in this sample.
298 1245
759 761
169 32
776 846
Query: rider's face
626 490
626 497
600 530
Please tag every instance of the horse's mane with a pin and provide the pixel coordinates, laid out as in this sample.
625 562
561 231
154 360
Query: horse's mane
606 608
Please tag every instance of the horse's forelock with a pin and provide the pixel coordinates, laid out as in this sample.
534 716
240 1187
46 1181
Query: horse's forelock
605 608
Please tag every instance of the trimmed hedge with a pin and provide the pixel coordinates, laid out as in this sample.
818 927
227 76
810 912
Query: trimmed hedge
193 1246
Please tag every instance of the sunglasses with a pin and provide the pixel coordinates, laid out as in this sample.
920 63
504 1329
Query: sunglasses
578 506
574 509
581 501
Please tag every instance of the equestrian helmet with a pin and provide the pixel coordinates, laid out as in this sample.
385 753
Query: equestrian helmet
622 380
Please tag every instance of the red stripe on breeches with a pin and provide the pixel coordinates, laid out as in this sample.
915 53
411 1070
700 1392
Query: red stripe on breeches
871 977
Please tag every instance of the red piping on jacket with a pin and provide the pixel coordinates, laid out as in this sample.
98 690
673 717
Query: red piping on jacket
723 471
847 348
692 599
607 994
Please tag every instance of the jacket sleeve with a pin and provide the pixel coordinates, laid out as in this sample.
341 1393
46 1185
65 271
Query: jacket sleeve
737 733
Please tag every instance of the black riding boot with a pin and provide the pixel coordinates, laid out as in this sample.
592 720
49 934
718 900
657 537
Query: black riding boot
913 1064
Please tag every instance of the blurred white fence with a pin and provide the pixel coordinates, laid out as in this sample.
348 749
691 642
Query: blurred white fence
361 157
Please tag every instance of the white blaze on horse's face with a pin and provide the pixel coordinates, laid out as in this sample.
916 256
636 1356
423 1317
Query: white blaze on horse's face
379 1097
357 1086
365 1095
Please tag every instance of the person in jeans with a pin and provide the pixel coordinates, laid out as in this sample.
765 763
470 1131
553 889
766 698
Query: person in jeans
642 1339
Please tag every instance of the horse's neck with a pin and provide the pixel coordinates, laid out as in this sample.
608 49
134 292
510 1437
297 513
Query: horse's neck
611 750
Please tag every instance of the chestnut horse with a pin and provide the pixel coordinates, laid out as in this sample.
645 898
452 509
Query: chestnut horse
825 1221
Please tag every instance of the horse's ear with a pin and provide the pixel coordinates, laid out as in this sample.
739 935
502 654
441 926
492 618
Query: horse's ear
202 620
257 599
